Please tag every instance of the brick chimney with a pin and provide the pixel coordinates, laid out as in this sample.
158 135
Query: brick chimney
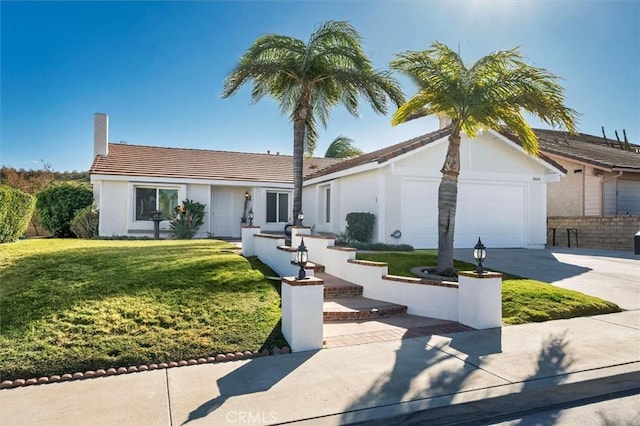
100 134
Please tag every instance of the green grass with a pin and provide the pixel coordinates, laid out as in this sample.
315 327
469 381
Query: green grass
76 305
523 300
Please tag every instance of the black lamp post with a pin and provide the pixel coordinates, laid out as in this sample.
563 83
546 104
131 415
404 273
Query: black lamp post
250 217
300 217
480 254
302 256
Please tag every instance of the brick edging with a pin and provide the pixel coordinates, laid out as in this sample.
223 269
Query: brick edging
11 384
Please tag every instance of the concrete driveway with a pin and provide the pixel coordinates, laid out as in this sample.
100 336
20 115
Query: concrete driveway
608 274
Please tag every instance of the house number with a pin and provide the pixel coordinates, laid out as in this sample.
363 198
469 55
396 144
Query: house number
537 179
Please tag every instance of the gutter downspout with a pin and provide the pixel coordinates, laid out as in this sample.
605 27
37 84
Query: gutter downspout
602 190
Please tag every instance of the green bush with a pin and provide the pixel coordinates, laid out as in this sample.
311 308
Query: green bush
85 223
16 208
360 226
57 205
190 216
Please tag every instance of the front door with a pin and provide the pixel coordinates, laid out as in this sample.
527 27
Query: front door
222 207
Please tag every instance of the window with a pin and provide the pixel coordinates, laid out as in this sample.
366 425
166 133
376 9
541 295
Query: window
327 205
149 199
277 207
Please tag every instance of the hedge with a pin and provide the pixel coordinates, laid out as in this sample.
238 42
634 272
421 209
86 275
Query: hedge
16 208
58 204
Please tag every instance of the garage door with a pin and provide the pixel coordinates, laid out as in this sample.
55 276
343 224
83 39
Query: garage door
493 211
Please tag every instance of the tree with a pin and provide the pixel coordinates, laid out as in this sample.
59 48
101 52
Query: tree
29 181
491 94
58 204
342 147
309 79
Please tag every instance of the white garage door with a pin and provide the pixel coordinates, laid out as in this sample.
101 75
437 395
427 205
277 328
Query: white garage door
493 211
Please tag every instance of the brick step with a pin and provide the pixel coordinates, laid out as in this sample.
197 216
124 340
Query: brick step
358 308
335 288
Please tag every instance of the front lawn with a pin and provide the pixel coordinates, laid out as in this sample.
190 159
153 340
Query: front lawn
77 305
523 300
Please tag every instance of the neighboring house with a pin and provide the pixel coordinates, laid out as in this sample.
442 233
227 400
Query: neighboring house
502 192
603 177
131 181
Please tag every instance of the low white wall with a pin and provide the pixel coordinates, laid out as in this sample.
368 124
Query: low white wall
476 304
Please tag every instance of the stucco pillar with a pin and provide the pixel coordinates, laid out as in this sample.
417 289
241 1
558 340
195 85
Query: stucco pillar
248 240
302 312
480 299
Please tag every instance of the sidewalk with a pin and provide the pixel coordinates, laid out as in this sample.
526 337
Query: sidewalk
532 363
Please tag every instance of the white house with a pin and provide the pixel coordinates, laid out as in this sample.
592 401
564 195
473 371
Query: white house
501 192
131 181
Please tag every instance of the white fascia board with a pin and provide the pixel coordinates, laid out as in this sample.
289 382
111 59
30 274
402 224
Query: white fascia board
182 181
517 147
374 164
342 173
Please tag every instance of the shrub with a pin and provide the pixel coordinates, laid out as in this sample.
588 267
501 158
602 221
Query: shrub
190 216
360 226
57 205
85 223
16 208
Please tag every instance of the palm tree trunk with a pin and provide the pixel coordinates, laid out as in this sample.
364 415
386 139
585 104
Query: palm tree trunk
298 156
447 202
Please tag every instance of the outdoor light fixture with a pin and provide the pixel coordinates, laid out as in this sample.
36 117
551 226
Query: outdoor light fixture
247 196
300 217
302 256
250 217
480 254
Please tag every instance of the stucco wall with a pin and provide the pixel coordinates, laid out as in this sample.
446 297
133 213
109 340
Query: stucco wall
613 233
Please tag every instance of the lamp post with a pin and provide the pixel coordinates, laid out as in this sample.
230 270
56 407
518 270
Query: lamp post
480 254
300 218
302 256
250 217
156 217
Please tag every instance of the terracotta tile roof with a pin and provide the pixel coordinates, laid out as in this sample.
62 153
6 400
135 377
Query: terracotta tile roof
589 149
138 160
383 154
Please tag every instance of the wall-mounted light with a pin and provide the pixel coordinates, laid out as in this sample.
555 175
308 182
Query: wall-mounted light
302 256
300 217
479 254
247 196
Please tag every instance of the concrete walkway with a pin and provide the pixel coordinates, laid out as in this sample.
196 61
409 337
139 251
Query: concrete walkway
535 363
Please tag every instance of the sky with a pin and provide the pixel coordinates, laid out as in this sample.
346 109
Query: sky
157 68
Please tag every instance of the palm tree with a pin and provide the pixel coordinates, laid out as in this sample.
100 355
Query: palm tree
490 94
342 147
308 79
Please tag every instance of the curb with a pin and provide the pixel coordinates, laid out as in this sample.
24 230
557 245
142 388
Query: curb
236 356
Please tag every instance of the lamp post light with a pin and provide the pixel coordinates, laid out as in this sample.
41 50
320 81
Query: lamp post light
480 254
250 217
302 257
300 218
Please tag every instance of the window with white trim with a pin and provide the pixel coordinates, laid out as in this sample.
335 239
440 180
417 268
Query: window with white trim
277 207
148 199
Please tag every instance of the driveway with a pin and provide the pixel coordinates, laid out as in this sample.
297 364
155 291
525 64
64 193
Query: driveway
608 274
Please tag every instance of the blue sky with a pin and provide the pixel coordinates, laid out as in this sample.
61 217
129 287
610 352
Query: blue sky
157 68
